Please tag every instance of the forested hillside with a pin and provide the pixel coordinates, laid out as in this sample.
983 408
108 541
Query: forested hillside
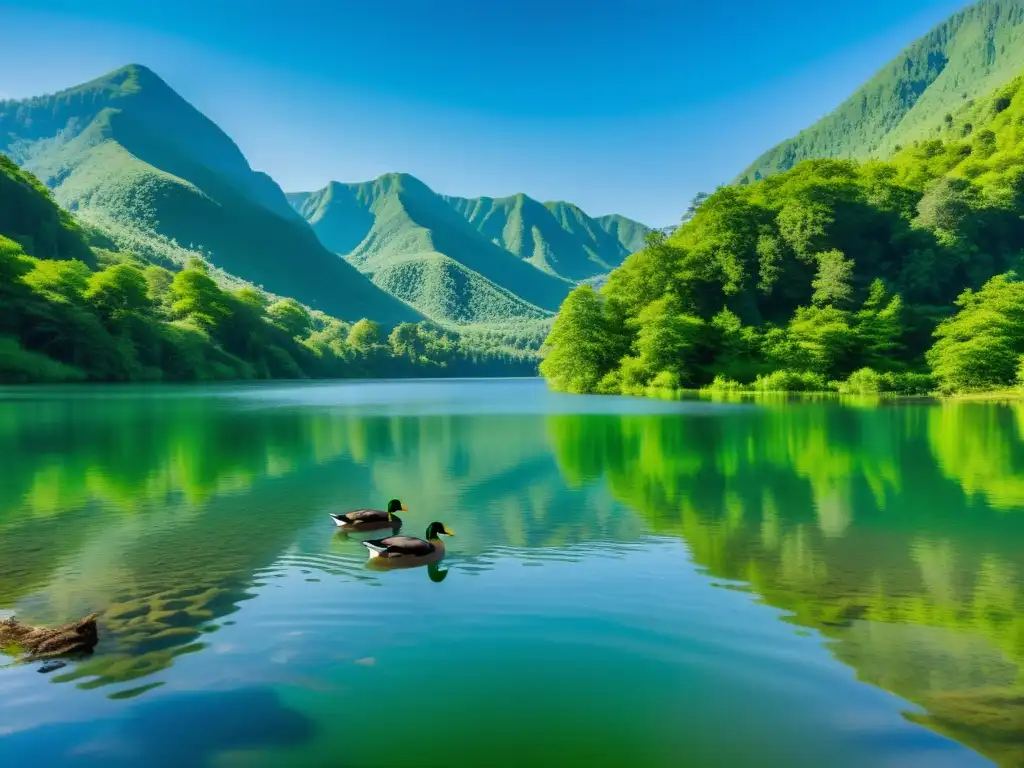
127 154
866 277
71 312
966 57
466 260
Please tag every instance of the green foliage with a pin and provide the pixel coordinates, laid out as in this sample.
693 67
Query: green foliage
365 334
578 355
791 381
118 290
288 315
29 216
834 267
67 280
981 345
18 366
833 284
723 384
668 341
196 297
908 383
865 381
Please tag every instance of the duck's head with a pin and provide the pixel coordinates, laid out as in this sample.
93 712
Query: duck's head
395 506
437 529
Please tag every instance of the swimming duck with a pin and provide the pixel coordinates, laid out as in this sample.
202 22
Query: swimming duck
408 550
371 519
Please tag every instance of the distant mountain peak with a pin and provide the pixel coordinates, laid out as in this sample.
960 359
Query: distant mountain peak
128 80
444 254
126 152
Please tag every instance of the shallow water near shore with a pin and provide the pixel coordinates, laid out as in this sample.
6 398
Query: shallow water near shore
631 581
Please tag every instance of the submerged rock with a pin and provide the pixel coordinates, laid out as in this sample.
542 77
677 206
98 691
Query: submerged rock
43 643
51 666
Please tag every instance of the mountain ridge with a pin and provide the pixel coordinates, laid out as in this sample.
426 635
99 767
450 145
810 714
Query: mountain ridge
126 153
513 246
970 54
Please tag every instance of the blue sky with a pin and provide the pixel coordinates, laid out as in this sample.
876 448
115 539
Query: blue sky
620 106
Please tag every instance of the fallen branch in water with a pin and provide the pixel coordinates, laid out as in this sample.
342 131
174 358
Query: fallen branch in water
42 643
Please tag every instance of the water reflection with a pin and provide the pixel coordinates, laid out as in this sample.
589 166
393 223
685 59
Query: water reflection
168 513
894 531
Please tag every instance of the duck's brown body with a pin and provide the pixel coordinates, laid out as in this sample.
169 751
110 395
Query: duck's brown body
367 520
405 551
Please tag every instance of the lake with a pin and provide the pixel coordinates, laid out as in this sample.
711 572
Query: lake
631 581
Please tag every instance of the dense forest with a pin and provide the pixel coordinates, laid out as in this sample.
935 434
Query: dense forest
898 276
72 311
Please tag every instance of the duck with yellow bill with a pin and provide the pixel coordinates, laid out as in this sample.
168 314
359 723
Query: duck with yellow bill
371 519
403 551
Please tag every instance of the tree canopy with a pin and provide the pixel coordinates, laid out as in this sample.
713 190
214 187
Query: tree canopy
822 271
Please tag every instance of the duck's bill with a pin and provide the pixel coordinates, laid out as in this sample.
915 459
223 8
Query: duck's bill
405 508
448 533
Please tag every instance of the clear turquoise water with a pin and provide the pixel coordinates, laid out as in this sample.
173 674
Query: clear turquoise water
632 581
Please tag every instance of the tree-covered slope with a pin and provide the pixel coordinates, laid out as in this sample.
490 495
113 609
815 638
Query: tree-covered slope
873 273
69 312
443 289
29 217
557 238
128 154
629 233
384 226
466 260
967 56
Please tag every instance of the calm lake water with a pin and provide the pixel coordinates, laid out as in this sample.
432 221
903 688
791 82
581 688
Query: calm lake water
632 582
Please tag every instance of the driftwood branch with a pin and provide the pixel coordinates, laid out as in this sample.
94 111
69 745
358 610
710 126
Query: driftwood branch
42 643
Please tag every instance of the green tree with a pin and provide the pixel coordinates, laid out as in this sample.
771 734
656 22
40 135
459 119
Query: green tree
406 341
158 286
737 347
196 297
290 316
365 334
981 345
825 340
257 302
670 340
64 279
119 290
833 284
879 328
577 355
804 225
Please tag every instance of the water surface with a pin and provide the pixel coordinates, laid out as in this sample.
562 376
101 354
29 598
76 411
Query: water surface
632 582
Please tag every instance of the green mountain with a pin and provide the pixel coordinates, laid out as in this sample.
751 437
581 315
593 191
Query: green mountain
480 260
967 56
557 238
629 233
127 154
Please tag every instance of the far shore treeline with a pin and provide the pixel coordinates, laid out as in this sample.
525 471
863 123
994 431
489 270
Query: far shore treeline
885 276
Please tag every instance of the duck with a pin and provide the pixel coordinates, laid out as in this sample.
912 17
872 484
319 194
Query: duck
405 551
371 519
